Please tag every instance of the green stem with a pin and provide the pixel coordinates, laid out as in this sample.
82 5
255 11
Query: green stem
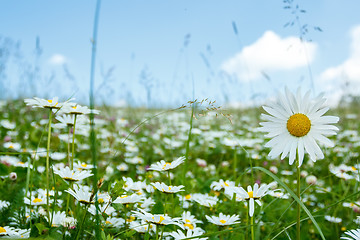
48 166
235 163
252 228
157 232
298 195
82 223
68 153
188 146
73 145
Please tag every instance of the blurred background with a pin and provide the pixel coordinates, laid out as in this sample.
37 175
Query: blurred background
164 53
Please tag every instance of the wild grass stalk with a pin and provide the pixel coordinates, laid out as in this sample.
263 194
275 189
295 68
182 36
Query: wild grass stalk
93 143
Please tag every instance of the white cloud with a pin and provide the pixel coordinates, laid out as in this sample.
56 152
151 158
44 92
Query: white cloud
270 53
347 73
57 59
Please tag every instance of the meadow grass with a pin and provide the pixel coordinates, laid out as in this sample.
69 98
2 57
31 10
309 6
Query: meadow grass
129 140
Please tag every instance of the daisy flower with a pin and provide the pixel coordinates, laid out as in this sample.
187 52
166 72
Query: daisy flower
134 198
221 184
35 201
81 194
296 124
253 195
189 234
223 220
189 220
72 175
159 219
167 189
354 235
76 109
164 166
44 103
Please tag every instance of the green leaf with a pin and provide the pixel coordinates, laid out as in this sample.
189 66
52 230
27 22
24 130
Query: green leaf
294 196
158 208
41 228
130 233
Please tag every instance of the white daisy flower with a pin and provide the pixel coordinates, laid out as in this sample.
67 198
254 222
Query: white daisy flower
57 218
189 220
44 103
4 204
167 189
221 184
333 219
35 201
164 166
114 222
296 124
82 165
72 175
253 195
159 219
82 194
354 235
189 234
76 109
133 198
223 220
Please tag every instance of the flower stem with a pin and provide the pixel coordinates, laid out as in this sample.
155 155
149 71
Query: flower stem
73 145
252 228
235 163
298 195
48 166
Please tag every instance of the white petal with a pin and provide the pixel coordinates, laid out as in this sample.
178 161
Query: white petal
300 151
251 207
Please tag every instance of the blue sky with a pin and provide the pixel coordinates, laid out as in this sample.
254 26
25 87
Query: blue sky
148 36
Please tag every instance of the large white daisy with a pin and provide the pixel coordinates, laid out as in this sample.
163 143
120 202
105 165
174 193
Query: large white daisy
296 124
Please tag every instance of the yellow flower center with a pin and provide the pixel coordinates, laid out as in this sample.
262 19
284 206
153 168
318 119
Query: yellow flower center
50 101
298 125
251 194
107 222
2 230
189 225
222 221
125 196
36 200
161 219
187 197
353 168
100 200
166 165
225 183
84 165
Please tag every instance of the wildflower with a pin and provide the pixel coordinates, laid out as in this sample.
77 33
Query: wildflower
13 176
134 198
114 222
223 220
164 166
35 201
81 194
72 175
69 222
167 189
333 219
189 220
189 234
4 204
253 195
57 218
217 186
354 234
81 165
43 103
109 210
296 124
76 109
159 219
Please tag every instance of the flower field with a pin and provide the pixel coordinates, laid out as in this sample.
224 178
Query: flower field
195 172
